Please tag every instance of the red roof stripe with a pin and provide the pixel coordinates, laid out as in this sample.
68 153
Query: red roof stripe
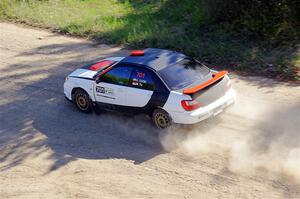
102 64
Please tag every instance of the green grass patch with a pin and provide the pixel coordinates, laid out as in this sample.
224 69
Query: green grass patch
172 24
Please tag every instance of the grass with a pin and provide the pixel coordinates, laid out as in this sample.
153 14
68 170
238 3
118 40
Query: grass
178 25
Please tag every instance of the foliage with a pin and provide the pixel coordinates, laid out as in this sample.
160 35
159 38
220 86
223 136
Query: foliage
257 35
271 19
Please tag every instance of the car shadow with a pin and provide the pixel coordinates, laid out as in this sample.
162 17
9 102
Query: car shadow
35 117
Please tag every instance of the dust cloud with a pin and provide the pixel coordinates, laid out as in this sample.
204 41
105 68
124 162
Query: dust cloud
254 138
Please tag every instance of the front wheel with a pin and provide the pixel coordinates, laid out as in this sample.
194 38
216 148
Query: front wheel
83 101
161 119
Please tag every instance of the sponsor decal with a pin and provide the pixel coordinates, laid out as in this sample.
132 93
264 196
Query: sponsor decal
103 90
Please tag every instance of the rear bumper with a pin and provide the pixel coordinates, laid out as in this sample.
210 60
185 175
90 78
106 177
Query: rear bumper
203 113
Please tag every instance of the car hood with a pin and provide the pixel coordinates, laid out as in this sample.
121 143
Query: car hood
83 73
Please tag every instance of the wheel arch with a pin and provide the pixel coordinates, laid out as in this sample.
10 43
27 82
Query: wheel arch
151 111
161 110
75 89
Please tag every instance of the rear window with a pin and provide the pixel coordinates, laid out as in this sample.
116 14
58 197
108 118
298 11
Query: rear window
183 73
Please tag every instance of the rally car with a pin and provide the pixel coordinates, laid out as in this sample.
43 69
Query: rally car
168 86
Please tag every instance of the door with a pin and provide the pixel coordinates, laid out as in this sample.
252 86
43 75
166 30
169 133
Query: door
141 87
113 86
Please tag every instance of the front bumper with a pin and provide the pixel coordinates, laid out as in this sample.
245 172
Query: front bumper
203 113
67 91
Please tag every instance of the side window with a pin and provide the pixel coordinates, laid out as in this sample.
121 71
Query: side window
141 78
118 75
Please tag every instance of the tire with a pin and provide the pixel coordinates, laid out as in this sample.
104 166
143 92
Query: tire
83 101
161 119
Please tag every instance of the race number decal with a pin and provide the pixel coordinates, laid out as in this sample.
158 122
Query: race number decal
140 75
103 90
138 79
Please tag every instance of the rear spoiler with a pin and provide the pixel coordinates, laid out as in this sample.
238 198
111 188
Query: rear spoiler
215 78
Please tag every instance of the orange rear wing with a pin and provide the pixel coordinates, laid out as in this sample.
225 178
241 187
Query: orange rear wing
215 78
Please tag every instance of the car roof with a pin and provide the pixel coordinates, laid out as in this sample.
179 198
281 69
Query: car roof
155 58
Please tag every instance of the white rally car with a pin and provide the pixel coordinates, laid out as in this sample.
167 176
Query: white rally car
166 85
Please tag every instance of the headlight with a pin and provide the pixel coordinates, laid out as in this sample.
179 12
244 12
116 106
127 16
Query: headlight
67 78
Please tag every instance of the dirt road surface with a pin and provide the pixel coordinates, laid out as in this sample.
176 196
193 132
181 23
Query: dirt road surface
48 149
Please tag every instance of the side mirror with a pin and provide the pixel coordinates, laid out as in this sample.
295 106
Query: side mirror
98 79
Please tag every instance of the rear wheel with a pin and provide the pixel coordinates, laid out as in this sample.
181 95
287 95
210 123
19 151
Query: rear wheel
83 101
161 119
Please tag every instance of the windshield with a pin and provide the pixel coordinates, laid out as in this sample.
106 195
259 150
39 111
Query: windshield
183 73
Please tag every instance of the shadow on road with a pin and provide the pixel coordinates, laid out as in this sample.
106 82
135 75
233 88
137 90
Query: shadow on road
35 116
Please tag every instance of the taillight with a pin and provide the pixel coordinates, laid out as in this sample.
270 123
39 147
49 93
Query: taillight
190 105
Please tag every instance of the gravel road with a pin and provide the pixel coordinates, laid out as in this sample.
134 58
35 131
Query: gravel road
48 149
